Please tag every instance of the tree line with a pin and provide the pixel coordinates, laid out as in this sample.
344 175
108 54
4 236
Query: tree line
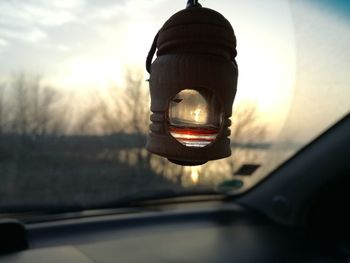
32 112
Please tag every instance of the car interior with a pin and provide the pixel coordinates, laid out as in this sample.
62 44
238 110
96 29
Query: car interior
87 190
298 214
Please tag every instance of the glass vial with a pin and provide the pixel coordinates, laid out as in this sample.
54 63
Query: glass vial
194 117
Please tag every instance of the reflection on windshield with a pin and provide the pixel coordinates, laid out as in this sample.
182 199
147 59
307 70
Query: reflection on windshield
73 132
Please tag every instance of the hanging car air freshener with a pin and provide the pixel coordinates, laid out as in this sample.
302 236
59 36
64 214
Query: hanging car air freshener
193 83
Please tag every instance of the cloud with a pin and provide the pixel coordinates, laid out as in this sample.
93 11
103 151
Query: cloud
50 32
63 48
31 35
19 13
33 20
30 21
3 42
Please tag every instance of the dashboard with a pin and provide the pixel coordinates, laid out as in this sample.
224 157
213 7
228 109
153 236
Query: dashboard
210 231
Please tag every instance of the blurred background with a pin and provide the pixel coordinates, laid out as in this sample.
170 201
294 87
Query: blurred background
74 100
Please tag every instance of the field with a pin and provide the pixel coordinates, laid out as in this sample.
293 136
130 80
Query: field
73 171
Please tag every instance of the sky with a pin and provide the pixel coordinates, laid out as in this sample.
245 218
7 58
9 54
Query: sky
84 45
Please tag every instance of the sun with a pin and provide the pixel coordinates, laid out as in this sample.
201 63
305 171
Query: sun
195 174
86 72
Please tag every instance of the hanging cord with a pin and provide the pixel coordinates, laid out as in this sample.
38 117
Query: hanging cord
193 3
152 51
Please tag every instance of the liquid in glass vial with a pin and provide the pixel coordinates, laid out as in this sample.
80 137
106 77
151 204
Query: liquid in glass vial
194 117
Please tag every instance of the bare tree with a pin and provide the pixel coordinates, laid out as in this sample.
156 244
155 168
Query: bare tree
19 105
31 107
86 122
246 128
112 115
136 101
127 111
2 108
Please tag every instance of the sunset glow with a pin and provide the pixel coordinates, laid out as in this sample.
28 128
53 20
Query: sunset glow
196 114
85 47
194 174
76 68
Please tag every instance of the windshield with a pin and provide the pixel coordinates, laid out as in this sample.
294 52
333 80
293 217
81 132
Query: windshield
74 100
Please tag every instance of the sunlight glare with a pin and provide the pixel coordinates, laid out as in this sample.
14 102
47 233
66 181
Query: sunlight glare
90 72
196 114
194 174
